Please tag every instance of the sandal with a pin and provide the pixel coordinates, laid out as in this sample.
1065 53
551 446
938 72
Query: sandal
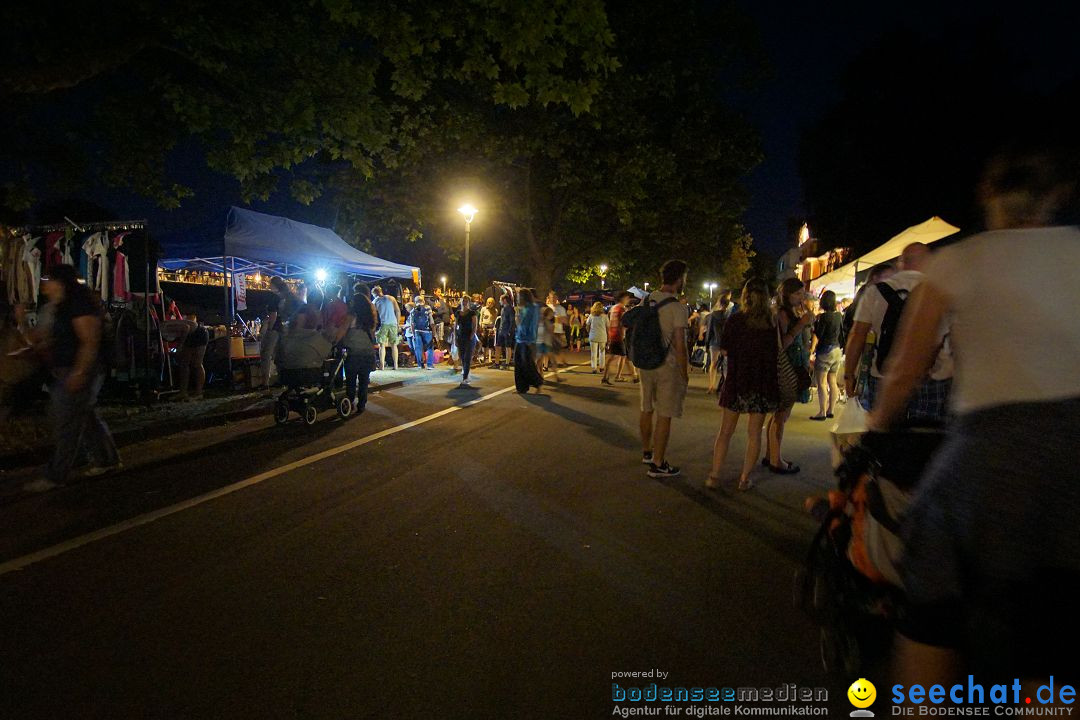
790 469
818 417
712 482
746 484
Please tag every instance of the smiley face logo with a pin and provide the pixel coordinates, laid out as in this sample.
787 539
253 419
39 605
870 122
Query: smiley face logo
862 693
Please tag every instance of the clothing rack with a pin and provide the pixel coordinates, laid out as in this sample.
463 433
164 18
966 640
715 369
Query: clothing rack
86 227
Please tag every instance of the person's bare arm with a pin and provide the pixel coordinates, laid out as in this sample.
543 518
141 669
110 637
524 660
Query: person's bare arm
917 344
856 343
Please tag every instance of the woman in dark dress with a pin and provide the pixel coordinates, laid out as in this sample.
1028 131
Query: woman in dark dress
750 388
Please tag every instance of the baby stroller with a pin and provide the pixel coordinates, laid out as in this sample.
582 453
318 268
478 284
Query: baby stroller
313 378
850 584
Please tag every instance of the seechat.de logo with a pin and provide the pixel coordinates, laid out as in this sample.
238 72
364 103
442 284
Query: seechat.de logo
862 694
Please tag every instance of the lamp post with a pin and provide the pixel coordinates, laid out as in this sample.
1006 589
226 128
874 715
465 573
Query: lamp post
603 273
469 212
710 287
443 278
646 287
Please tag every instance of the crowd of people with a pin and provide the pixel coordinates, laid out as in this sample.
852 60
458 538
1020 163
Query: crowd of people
976 336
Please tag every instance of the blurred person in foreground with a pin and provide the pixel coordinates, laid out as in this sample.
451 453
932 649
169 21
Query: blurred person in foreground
992 559
75 350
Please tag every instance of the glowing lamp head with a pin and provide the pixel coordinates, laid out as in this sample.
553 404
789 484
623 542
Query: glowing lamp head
321 275
603 269
468 211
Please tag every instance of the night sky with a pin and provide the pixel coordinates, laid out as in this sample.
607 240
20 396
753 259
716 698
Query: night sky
808 46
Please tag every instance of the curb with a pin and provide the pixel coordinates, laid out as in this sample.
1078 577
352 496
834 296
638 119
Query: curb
153 431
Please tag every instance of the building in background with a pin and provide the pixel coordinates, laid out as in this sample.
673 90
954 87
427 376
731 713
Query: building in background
807 260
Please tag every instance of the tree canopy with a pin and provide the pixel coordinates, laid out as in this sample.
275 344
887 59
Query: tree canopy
650 172
264 88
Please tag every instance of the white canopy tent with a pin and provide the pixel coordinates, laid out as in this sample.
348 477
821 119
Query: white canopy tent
842 280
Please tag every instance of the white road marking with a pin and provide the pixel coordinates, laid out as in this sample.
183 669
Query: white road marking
147 518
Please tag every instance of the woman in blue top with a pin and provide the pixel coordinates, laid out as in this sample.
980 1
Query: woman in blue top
525 373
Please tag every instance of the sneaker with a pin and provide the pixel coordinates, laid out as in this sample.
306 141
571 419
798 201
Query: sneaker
646 458
665 470
40 485
98 470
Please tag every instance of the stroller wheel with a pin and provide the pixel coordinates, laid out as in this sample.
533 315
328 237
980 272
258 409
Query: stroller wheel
310 415
840 652
281 412
344 407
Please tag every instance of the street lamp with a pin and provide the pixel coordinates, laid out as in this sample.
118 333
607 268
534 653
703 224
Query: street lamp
603 272
710 287
646 287
469 212
443 278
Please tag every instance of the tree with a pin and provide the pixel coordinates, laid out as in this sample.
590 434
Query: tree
650 172
277 91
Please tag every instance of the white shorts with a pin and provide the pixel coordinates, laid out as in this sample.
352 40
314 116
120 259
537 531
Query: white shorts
663 390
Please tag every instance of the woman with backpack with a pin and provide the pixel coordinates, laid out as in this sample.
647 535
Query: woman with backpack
827 354
421 322
751 388
793 319
358 339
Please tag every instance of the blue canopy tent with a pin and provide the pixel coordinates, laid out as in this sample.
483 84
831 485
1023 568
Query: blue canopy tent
273 245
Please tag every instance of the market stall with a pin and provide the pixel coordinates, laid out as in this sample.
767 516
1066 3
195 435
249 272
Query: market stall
844 279
256 246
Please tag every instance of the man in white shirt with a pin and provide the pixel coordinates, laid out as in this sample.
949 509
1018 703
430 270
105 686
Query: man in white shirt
931 400
664 388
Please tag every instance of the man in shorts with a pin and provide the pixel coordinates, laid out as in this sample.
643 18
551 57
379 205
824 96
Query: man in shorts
386 308
616 334
664 389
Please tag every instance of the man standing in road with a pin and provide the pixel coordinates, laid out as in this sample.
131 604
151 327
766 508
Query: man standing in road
76 351
389 326
664 389
873 315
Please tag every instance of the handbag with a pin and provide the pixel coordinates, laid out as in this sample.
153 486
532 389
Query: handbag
794 382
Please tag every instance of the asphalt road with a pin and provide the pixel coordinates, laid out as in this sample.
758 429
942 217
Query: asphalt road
500 560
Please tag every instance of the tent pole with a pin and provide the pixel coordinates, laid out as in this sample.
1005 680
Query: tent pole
228 323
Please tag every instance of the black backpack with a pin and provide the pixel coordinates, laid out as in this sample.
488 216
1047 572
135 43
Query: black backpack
644 340
890 324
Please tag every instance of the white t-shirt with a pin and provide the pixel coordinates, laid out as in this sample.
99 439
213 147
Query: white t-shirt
560 316
872 307
1014 297
673 319
598 328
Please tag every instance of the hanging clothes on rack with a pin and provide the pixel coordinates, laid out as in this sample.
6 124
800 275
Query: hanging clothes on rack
68 247
121 277
32 259
54 254
96 248
78 247
17 275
